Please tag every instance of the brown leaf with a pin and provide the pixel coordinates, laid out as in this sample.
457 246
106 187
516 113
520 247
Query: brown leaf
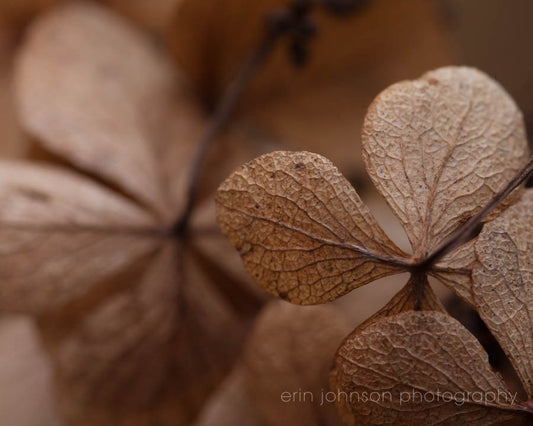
438 148
61 234
205 353
406 300
503 284
25 391
97 105
148 349
231 404
290 351
302 230
125 306
418 368
127 342
455 271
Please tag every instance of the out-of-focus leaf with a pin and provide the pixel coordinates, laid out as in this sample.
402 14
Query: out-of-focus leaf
91 89
61 234
231 404
290 352
130 315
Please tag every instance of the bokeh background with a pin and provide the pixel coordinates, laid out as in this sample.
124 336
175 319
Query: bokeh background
319 108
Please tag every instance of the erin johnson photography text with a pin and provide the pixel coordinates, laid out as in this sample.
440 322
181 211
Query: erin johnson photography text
325 396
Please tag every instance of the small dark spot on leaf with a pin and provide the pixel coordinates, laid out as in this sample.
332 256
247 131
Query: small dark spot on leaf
34 195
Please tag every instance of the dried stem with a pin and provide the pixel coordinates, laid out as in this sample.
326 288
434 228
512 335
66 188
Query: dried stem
466 229
222 114
290 20
419 281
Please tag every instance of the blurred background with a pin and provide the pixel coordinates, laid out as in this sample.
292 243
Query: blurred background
318 107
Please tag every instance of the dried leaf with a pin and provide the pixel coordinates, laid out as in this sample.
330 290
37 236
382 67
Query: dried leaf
455 271
290 351
406 300
25 391
127 342
503 284
302 230
126 309
61 234
440 147
97 105
230 405
418 368
205 354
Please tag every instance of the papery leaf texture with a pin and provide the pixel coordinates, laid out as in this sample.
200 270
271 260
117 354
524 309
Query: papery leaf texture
419 367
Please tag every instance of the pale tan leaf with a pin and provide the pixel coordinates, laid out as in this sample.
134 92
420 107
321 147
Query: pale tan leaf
418 368
503 284
61 234
116 357
438 148
26 397
455 271
406 300
90 88
231 404
303 232
151 352
290 351
146 349
204 312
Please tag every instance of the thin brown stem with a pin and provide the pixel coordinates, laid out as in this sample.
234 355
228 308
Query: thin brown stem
286 21
466 229
223 112
418 280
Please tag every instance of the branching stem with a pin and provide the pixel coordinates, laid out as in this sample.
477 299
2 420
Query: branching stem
466 229
420 268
